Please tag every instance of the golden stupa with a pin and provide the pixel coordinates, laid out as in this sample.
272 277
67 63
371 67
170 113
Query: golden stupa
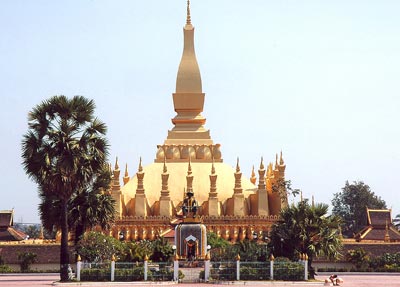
234 207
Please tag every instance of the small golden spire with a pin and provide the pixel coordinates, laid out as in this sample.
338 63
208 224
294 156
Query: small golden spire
262 163
253 178
189 167
281 162
188 19
269 170
126 176
126 170
140 165
78 258
165 166
212 167
237 165
116 164
276 161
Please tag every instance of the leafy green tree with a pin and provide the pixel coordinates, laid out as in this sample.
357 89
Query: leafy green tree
63 150
396 221
216 242
134 252
162 250
97 247
27 259
306 229
249 250
351 203
32 230
359 257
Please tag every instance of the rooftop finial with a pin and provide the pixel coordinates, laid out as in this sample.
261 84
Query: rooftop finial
140 165
281 162
165 166
189 172
188 20
116 163
262 163
126 170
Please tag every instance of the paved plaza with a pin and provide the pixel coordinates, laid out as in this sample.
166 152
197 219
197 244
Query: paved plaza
350 280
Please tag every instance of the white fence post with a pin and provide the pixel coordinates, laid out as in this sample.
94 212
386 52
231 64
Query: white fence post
306 267
207 268
271 267
112 268
176 268
146 258
238 267
78 268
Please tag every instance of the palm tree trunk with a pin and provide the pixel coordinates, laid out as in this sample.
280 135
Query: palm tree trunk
79 231
311 270
64 252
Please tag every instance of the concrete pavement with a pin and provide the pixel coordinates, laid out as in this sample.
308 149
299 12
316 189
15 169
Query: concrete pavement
350 280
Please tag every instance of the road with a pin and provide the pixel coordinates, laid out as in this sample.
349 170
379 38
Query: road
353 280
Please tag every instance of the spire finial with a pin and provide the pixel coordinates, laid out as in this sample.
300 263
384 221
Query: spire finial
262 163
253 178
189 167
237 165
281 162
140 165
116 164
188 19
126 170
165 166
126 176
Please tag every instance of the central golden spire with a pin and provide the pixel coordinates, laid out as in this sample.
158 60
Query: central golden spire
188 97
188 138
188 79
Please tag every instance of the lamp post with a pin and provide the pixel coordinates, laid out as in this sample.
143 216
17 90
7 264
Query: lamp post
174 248
121 236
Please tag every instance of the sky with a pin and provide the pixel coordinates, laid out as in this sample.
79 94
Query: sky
319 80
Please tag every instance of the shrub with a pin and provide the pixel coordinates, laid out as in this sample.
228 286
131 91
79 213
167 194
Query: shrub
5 269
292 271
135 274
359 257
27 259
96 274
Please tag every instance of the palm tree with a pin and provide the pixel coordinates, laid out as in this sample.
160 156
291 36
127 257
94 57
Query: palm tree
63 150
306 229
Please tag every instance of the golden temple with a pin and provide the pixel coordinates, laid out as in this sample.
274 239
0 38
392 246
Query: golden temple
231 205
